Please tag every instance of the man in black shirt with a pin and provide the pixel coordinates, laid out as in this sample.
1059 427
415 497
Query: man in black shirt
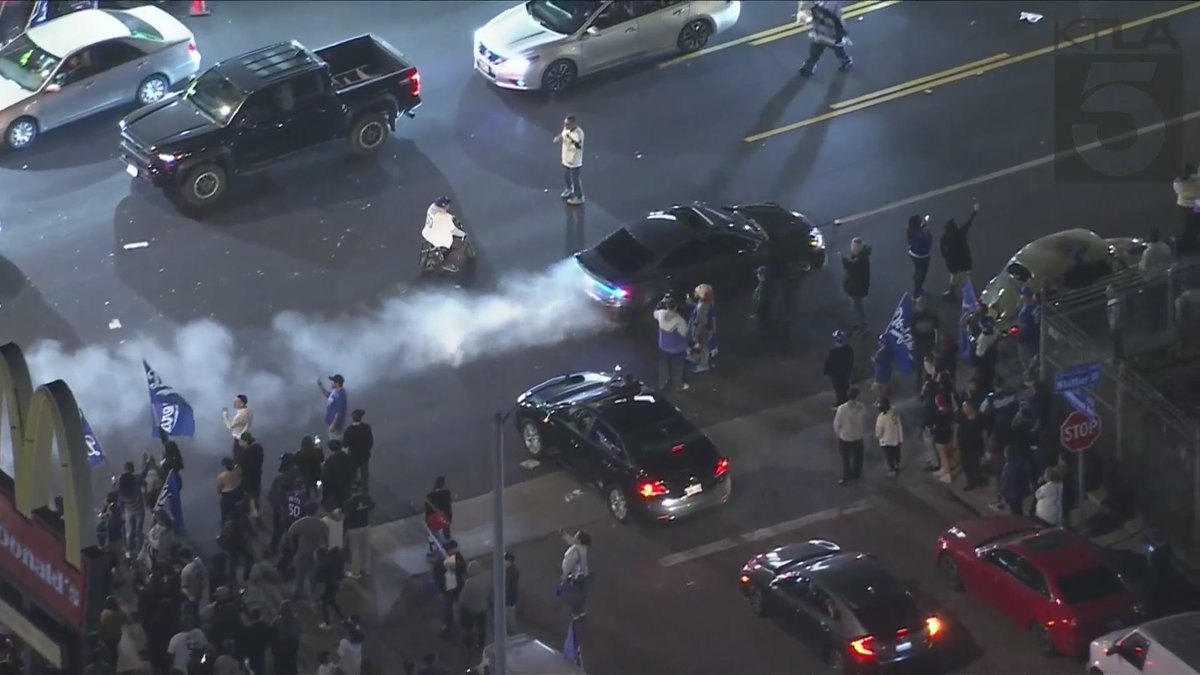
440 500
254 640
358 530
925 327
971 443
359 439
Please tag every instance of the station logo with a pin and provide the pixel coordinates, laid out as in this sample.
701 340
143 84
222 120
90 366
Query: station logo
1118 97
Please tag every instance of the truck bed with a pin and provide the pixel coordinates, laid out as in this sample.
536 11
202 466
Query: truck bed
358 61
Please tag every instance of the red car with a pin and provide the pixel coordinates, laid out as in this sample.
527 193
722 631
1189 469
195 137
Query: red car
1050 581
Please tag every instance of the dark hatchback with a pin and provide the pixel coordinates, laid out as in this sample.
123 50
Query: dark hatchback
682 246
845 605
613 433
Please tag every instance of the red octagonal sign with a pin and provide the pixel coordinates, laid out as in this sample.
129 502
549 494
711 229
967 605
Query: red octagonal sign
1079 431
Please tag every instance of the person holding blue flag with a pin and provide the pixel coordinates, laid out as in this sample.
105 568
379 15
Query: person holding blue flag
173 415
956 252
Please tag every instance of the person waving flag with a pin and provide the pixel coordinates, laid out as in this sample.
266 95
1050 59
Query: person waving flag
173 415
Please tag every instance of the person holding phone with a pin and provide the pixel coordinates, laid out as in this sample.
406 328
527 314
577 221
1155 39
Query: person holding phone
335 405
571 140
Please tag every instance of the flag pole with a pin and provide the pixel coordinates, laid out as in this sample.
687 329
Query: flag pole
500 628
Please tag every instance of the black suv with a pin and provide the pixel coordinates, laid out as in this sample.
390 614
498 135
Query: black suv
613 433
247 113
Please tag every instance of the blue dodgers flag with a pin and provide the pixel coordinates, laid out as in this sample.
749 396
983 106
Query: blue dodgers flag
168 500
571 648
172 414
95 452
898 336
969 302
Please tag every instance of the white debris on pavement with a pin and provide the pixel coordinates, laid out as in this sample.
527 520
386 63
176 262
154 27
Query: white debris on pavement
1031 17
136 245
114 324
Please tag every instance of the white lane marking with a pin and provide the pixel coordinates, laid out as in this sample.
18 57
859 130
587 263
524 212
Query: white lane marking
1032 164
765 533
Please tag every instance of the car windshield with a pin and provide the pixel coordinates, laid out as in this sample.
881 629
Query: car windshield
1094 583
137 27
561 16
626 254
886 612
1019 272
216 96
26 64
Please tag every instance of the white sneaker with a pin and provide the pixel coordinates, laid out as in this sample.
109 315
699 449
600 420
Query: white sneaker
323 626
353 575
684 387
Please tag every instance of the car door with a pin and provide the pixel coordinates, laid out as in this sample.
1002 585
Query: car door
611 37
120 67
578 454
660 22
808 612
310 110
609 463
999 586
259 134
1031 598
685 266
72 92
731 256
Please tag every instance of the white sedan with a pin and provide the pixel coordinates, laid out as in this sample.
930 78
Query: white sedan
88 61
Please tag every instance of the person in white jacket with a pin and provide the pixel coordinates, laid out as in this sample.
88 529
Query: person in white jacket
1048 498
890 432
571 140
238 423
441 230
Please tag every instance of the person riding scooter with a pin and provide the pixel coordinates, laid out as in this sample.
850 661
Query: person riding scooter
442 232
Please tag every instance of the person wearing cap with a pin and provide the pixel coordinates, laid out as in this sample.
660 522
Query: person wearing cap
856 280
1029 329
920 243
239 423
358 440
839 367
850 427
335 405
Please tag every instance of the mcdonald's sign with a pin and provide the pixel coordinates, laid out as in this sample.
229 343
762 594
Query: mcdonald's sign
52 566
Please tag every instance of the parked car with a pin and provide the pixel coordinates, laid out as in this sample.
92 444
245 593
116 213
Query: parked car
88 61
1051 582
1166 646
247 113
684 245
548 44
1043 264
845 605
528 655
18 16
628 441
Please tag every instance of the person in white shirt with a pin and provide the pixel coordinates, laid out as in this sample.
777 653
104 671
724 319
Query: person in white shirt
239 422
441 229
849 425
575 571
187 640
673 344
1187 193
890 433
571 140
1157 258
1048 498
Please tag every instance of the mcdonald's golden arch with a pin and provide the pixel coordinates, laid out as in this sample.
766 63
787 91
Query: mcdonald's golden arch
51 568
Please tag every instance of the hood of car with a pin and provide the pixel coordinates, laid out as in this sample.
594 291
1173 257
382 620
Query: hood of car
166 122
12 94
973 533
514 32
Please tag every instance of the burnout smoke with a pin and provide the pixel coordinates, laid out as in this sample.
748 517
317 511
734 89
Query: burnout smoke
403 335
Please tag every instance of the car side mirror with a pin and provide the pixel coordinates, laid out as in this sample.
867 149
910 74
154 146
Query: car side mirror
592 30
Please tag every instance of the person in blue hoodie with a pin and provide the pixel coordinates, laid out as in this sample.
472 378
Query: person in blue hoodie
673 343
1016 482
920 243
1029 332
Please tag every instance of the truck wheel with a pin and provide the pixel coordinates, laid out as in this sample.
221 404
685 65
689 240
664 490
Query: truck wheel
203 185
21 133
368 133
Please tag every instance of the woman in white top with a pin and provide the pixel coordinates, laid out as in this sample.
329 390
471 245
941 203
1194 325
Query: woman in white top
575 572
1049 498
1187 194
890 433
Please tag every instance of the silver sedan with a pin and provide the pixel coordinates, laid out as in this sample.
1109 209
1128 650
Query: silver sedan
548 44
88 61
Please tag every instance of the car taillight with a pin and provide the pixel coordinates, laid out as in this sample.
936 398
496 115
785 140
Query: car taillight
722 467
863 647
650 489
414 83
744 580
933 625
192 48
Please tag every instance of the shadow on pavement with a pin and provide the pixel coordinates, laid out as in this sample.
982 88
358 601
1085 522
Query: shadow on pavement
89 141
38 320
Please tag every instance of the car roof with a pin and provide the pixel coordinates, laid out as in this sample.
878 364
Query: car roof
1177 634
1057 551
74 31
1051 254
265 66
858 579
661 233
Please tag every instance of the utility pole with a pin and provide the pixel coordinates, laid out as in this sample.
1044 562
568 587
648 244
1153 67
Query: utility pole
500 629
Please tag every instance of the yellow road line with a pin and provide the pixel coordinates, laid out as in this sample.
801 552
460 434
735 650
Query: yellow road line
921 81
915 86
790 26
846 14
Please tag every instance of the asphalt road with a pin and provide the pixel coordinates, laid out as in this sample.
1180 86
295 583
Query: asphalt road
334 238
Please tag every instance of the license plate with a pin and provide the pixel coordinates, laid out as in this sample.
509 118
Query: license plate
903 646
693 490
131 170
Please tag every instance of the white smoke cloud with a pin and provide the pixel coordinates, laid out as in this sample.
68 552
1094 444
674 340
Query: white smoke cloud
406 334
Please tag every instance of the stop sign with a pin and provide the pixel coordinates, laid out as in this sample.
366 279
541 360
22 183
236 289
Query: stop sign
1079 431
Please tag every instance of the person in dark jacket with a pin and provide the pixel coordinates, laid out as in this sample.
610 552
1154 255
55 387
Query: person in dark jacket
449 575
828 31
764 303
920 244
309 460
1016 482
839 366
283 489
970 441
358 440
956 252
856 280
337 475
441 500
253 641
925 330
512 585
250 459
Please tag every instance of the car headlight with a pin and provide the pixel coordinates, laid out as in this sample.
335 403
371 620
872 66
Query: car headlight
166 157
818 239
518 64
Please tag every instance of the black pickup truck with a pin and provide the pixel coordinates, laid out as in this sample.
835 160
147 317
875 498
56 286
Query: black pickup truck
246 113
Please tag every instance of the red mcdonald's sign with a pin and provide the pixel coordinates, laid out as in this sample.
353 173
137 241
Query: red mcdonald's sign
32 557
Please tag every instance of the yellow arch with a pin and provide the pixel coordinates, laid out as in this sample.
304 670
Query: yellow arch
39 417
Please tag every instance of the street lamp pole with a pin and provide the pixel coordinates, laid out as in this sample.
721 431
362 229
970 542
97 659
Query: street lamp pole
500 630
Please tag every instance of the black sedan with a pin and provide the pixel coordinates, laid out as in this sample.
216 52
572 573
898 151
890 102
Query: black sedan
613 433
680 247
845 605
